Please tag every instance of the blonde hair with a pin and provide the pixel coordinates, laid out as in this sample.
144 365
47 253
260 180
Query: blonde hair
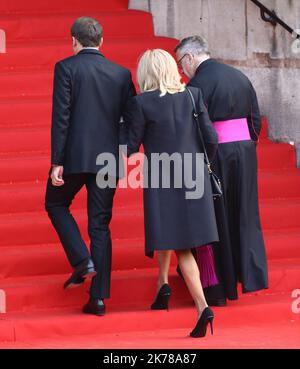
157 70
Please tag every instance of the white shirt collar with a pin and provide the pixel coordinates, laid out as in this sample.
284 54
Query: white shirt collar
94 48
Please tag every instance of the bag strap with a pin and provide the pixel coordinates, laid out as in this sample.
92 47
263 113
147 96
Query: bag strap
196 116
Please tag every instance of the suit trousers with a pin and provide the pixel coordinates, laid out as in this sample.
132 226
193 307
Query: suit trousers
99 208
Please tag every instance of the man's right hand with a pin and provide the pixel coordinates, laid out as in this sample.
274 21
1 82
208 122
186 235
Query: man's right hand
56 175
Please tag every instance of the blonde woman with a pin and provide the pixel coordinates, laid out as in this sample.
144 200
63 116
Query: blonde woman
161 118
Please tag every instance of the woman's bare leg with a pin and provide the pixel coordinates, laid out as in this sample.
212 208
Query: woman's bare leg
191 275
164 260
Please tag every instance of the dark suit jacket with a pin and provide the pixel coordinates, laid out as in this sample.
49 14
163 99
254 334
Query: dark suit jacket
89 98
228 94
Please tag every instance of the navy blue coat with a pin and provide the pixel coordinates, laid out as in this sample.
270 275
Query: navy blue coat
166 125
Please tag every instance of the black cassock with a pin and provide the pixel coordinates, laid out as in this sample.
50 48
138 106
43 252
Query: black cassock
240 256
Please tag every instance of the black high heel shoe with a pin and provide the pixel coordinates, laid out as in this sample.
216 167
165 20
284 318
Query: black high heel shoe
206 317
162 299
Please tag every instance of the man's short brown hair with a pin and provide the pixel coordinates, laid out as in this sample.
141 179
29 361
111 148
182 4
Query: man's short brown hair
88 31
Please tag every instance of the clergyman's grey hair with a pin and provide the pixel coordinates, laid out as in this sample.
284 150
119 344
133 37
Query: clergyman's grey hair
195 45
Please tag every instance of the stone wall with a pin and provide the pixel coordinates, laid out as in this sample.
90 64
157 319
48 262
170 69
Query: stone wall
237 35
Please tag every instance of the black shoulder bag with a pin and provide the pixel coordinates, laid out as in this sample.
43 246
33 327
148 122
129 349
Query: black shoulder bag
216 186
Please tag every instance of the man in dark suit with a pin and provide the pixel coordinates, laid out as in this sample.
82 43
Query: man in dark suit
89 99
232 105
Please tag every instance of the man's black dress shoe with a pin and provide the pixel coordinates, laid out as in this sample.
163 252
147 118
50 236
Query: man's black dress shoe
94 306
215 296
82 271
78 282
216 301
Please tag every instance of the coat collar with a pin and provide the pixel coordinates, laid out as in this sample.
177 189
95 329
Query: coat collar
204 65
90 51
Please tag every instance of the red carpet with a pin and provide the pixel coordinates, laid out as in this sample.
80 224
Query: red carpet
33 266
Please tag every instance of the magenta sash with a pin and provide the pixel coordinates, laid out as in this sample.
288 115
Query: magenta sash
232 130
206 264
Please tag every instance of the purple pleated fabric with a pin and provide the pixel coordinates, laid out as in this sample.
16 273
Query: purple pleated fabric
205 261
